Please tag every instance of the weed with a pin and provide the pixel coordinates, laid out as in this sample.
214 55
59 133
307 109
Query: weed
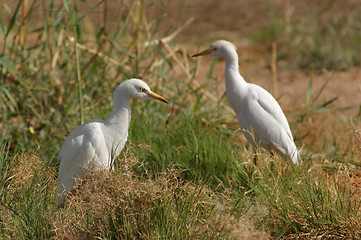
316 39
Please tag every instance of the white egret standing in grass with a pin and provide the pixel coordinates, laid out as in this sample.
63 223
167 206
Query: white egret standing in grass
95 144
260 117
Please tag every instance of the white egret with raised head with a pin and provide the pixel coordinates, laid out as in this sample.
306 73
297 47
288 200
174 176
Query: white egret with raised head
260 117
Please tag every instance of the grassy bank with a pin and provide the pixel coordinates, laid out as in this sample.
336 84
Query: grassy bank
186 172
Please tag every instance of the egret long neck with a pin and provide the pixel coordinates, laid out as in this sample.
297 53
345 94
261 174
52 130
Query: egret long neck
120 114
117 125
233 79
231 59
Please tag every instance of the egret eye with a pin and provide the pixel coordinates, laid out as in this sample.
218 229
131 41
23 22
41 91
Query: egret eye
143 90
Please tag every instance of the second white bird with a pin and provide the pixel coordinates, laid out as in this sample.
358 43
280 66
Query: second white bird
260 117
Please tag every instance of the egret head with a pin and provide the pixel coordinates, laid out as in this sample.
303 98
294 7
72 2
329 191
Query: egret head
220 48
136 88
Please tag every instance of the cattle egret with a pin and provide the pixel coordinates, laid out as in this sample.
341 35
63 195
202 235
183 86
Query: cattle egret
95 144
260 117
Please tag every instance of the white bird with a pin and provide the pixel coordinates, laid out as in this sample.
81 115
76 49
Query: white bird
260 117
95 144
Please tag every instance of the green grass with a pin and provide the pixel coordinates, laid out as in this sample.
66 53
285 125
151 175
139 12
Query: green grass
190 145
184 173
318 38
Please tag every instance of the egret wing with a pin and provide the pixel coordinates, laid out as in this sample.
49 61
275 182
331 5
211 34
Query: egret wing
268 121
276 128
269 104
81 152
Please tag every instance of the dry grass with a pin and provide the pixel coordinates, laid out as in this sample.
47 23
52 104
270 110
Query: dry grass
126 206
119 205
357 141
27 196
27 168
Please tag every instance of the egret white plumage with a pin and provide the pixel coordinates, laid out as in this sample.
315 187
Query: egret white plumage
95 144
260 117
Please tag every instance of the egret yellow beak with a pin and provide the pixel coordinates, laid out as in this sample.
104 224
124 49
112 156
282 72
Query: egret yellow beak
156 96
205 52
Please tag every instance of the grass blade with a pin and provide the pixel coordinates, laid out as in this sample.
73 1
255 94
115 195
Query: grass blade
12 69
2 29
9 66
66 7
326 103
210 71
72 16
308 93
10 97
321 89
13 19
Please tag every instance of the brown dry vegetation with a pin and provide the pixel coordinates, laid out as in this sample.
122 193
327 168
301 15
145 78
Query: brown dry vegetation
123 205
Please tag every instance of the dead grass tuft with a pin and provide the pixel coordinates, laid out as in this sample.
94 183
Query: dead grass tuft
26 197
26 169
126 206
